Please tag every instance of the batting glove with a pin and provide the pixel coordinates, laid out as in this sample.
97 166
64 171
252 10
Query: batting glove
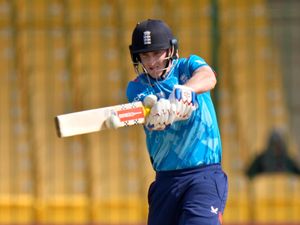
184 99
149 101
162 114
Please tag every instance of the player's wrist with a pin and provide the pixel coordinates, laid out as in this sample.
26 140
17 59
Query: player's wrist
183 87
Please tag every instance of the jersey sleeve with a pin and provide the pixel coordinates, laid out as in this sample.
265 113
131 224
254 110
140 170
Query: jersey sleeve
194 62
136 91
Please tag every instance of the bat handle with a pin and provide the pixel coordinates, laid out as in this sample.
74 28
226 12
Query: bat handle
146 111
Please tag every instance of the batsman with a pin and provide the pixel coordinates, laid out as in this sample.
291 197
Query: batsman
182 133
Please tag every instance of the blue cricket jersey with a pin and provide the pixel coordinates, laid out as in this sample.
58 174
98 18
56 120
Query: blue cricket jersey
187 143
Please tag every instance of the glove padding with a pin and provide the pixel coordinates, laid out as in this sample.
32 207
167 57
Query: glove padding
150 100
162 114
184 99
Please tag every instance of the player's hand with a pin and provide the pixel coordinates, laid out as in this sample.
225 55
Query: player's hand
184 99
162 114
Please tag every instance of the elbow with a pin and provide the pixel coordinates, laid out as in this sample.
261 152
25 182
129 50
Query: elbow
213 81
211 77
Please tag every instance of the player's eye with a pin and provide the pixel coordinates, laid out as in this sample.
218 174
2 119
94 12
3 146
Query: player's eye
159 53
144 56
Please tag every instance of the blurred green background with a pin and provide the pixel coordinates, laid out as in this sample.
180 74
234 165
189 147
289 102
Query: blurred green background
59 56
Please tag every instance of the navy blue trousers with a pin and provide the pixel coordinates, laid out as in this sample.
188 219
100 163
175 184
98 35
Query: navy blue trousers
194 196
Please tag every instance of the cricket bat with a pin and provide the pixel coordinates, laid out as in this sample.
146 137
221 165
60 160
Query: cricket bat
94 120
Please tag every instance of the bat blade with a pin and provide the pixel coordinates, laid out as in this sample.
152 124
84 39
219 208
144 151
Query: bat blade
93 120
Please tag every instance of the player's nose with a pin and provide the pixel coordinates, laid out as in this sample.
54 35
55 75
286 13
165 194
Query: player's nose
152 61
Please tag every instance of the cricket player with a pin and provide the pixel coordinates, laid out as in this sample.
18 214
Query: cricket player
182 133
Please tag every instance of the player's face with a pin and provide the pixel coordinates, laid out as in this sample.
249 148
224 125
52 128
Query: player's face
154 62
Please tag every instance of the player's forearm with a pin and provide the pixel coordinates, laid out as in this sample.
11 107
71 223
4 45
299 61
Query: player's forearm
203 80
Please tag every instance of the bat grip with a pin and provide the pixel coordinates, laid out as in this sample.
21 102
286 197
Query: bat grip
146 111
